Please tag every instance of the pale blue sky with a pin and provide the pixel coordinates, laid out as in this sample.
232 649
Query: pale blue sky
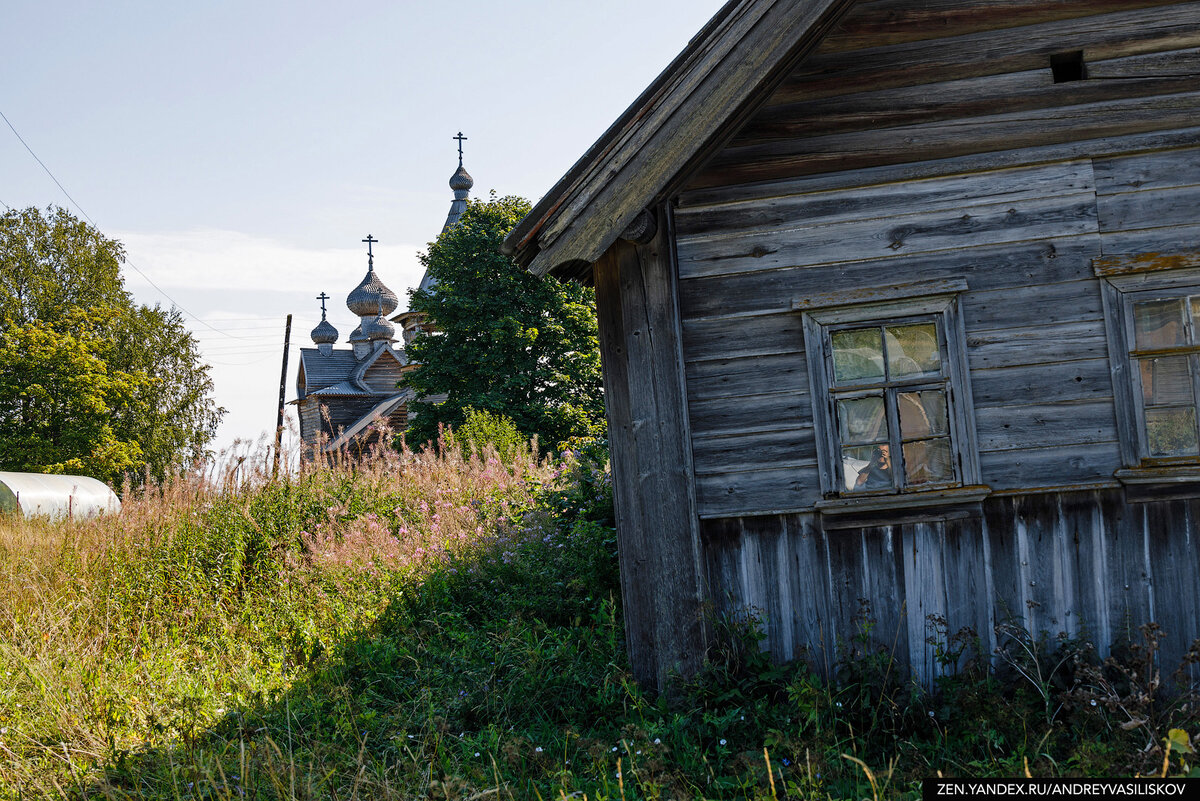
242 149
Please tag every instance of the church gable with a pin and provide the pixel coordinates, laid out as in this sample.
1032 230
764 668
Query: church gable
383 372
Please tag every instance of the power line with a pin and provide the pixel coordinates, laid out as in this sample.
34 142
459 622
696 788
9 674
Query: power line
88 217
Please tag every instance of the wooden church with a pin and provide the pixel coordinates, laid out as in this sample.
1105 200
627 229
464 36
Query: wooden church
344 396
900 309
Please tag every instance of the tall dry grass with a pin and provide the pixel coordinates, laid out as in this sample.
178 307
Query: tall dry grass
140 629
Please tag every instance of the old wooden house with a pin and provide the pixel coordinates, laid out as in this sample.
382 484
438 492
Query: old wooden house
900 302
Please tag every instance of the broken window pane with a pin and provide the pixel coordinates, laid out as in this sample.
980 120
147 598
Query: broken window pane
1171 431
862 420
928 461
867 467
857 355
1158 323
1166 380
922 413
912 350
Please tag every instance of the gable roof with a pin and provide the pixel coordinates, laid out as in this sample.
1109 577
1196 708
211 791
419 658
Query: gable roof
323 370
743 52
380 411
361 371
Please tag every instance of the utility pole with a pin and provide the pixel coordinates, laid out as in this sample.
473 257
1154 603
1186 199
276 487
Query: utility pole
287 341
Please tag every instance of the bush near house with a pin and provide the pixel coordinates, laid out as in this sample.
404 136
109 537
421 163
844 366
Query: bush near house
447 625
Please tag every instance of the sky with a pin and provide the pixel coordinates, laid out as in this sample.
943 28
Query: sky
241 151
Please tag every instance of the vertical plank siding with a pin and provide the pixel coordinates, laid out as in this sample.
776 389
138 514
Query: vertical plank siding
1080 565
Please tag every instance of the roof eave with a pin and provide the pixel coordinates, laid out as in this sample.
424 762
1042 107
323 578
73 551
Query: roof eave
670 130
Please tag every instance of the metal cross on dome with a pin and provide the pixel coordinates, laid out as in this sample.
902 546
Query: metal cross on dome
460 139
322 297
370 240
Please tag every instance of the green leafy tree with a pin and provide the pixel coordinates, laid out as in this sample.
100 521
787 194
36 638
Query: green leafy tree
504 341
63 298
57 399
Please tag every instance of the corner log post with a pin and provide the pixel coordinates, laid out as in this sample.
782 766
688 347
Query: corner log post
658 536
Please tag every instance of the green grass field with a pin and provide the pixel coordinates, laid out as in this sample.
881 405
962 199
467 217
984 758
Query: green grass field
449 626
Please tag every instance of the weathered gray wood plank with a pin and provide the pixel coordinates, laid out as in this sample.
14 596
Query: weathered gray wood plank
745 413
1157 208
652 479
754 336
1017 427
753 450
810 593
755 375
949 138
984 267
1050 468
884 201
883 22
1143 76
939 165
1054 341
1020 307
924 593
968 590
789 489
914 233
991 52
1150 240
1084 380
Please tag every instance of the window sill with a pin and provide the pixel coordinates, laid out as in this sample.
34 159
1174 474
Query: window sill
912 507
1163 483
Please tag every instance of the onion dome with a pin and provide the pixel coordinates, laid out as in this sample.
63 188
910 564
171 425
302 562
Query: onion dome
357 334
324 333
378 329
371 295
461 181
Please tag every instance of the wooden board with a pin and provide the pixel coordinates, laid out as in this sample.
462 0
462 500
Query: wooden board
1123 78
754 375
1157 208
882 22
991 52
753 450
884 201
1017 427
984 267
1140 172
920 232
948 138
1076 563
661 577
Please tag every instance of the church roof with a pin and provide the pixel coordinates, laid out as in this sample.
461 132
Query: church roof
342 389
680 120
371 296
321 370
324 333
380 411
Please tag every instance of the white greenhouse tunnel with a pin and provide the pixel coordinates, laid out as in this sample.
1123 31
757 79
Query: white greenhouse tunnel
55 496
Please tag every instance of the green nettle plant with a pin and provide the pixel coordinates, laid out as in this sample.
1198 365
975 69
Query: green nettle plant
504 341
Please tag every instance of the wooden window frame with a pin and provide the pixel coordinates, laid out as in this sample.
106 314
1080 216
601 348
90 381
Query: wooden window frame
936 300
1121 287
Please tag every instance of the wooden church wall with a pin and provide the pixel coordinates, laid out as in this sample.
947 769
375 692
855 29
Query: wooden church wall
924 142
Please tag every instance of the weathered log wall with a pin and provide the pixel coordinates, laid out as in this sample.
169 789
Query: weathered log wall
922 142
